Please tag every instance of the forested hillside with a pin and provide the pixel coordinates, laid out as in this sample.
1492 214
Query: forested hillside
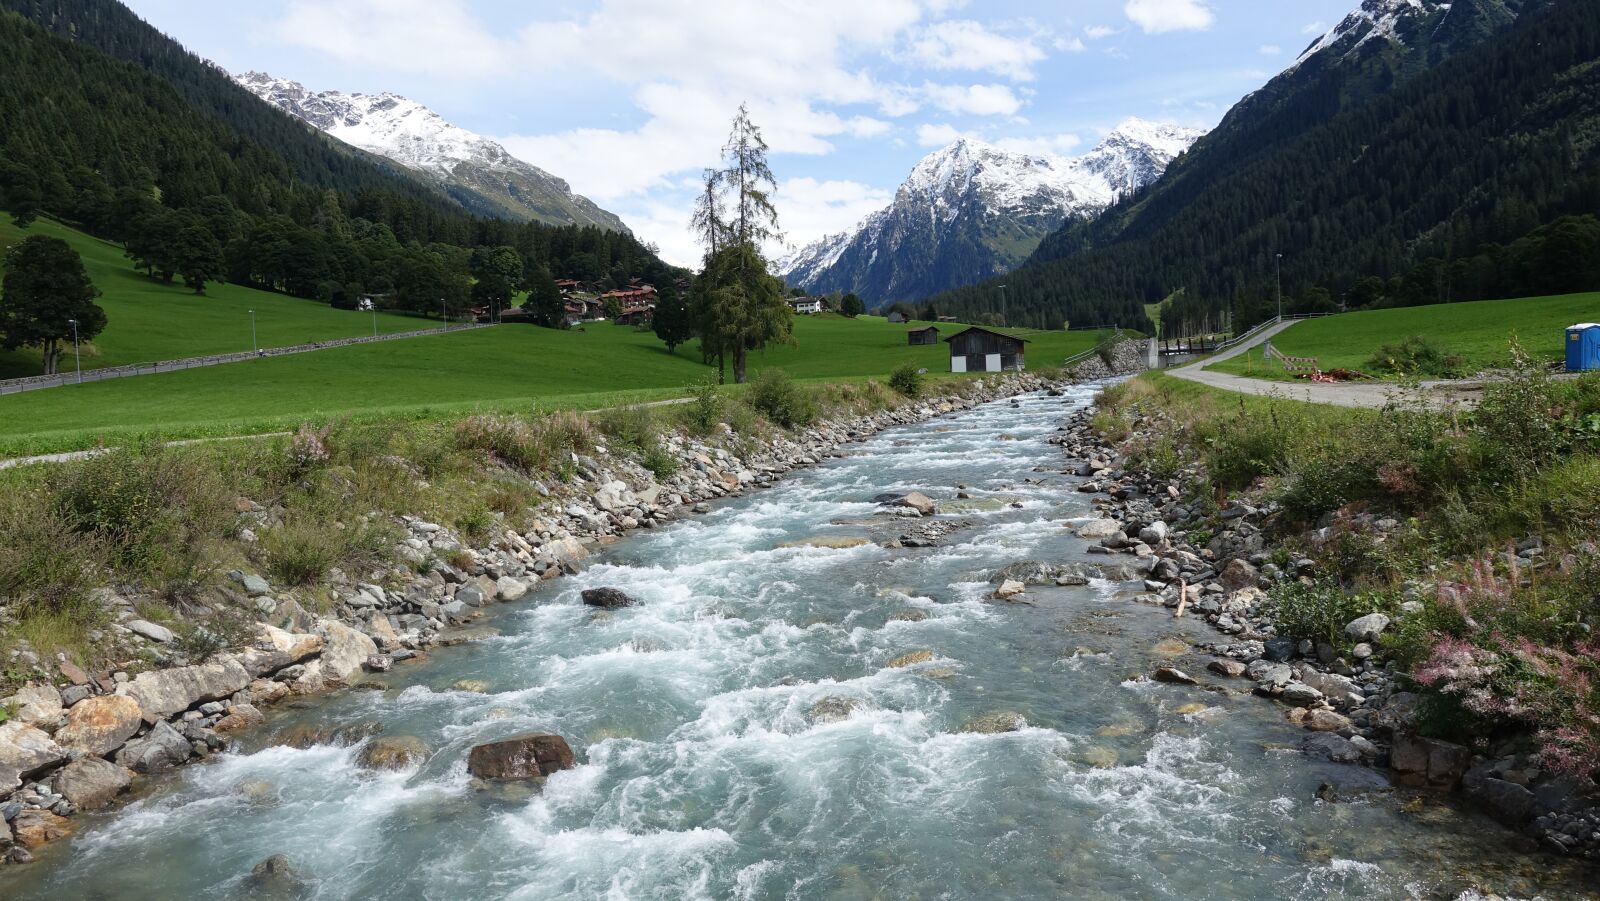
1356 166
110 147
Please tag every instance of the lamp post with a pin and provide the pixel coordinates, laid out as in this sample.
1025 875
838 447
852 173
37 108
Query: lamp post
255 348
1002 289
444 317
77 358
1277 269
374 308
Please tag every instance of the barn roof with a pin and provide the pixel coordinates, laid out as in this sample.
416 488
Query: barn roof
979 328
926 328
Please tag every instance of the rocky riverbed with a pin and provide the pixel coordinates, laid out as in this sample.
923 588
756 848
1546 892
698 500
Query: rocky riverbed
944 661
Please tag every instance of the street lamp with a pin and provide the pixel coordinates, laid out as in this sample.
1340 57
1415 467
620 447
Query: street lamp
1277 265
1002 303
444 317
77 357
374 309
254 347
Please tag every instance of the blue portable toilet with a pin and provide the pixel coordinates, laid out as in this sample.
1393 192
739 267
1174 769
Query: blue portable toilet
1583 347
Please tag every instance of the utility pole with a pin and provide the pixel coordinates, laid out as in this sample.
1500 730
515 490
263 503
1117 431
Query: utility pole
1002 304
254 347
1278 277
77 357
374 320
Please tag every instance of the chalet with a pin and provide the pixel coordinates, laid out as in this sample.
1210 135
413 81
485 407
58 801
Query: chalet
809 305
947 319
897 318
568 285
985 350
631 296
639 315
928 335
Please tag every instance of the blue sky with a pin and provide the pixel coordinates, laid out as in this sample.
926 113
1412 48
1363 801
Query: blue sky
629 99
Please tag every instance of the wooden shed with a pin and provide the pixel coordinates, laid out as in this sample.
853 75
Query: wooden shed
897 318
985 350
928 335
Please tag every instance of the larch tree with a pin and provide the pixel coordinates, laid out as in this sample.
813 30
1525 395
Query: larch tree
45 290
737 305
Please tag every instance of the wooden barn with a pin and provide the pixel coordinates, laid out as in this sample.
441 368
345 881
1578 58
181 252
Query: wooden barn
897 318
985 350
928 335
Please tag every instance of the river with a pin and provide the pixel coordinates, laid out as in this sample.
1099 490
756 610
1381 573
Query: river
742 734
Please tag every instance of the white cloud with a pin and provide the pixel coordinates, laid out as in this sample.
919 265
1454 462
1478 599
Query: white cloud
974 100
1043 145
962 44
1315 28
1069 44
931 135
1270 50
1096 32
1157 16
435 37
809 209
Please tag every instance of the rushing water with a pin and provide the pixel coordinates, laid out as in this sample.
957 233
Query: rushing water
709 770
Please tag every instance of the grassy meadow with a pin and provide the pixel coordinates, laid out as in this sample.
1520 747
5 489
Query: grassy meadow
149 321
1477 331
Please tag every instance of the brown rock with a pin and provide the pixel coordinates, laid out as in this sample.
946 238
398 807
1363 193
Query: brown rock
911 659
240 716
1239 574
394 752
266 691
74 673
1325 720
531 756
1230 668
91 782
37 827
1173 676
100 725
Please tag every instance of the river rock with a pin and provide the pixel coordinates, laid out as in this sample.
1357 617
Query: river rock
394 752
1098 528
1331 746
1338 689
1239 574
1321 719
239 716
345 651
531 756
151 631
35 705
509 589
917 501
162 748
39 827
1028 572
994 723
162 693
607 598
1173 676
833 709
90 782
1430 761
911 659
1230 668
832 542
24 751
1300 694
1154 533
274 878
1009 588
100 725
1367 628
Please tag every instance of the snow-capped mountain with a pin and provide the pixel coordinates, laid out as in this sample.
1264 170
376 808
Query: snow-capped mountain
471 168
972 210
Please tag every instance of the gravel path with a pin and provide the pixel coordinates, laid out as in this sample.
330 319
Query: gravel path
1342 394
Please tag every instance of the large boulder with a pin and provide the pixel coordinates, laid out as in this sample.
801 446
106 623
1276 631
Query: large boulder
39 827
98 726
1239 574
1428 761
162 748
24 751
1028 572
1367 628
531 756
917 501
344 651
607 598
162 693
1098 528
151 631
91 782
35 705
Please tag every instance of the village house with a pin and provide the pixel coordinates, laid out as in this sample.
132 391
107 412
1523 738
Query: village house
897 318
985 350
638 315
926 335
809 306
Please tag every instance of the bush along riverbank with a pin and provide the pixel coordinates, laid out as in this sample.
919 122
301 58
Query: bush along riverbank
1417 588
154 599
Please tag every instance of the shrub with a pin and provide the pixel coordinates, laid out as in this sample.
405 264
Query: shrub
309 447
1417 355
300 553
1321 611
906 380
544 445
45 564
704 411
779 398
634 428
659 461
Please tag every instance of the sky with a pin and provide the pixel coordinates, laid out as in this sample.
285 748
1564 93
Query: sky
629 100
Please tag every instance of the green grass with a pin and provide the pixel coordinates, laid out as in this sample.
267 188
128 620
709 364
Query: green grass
148 321
509 368
1478 331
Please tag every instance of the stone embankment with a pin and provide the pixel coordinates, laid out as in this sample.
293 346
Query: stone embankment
1127 357
75 740
1356 706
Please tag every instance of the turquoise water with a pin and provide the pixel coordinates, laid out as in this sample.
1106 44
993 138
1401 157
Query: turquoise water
709 770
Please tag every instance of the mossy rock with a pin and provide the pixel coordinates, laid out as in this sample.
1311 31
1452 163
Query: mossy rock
993 723
911 659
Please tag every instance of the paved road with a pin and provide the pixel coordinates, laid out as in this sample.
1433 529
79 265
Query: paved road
1342 394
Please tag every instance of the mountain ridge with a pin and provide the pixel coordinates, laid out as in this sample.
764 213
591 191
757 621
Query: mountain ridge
475 170
973 209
